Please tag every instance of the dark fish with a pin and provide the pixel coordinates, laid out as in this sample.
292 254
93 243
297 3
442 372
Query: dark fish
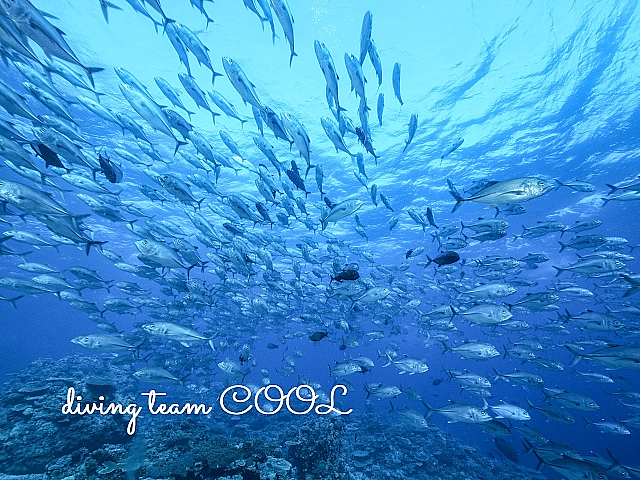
506 449
49 156
346 275
272 346
110 169
445 258
274 122
329 203
264 213
408 254
296 179
436 382
317 336
366 142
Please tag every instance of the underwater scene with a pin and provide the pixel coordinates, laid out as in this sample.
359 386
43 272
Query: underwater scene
318 239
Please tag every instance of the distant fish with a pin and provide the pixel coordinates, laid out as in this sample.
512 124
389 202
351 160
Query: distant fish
281 7
365 36
110 169
375 60
396 82
413 126
451 148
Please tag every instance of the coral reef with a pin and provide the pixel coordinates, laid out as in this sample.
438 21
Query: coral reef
39 443
33 430
315 447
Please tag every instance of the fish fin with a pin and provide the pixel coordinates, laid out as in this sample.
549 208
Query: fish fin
92 243
612 187
178 145
293 54
577 356
215 74
454 193
13 300
90 71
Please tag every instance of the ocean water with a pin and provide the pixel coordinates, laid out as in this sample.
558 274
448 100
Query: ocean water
543 90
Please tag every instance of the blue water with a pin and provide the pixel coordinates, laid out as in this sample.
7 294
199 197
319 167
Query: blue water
542 89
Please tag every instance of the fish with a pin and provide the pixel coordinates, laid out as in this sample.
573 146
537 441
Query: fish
241 83
157 375
515 190
224 105
577 185
410 417
396 82
340 211
171 94
460 412
475 350
33 23
413 125
195 46
365 36
283 13
332 131
328 70
150 111
196 93
408 364
451 148
444 258
380 107
176 332
374 56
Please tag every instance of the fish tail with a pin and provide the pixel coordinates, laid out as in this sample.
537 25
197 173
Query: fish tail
606 200
560 184
429 408
560 270
214 75
389 361
454 193
497 212
430 261
92 243
577 356
293 54
613 459
446 347
90 71
612 187
13 300
393 409
562 247
178 145
181 380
